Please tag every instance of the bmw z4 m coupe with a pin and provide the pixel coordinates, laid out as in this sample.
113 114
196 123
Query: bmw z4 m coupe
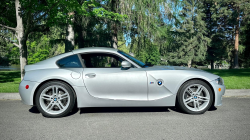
106 77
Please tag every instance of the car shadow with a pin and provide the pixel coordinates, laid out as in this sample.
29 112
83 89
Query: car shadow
74 111
122 109
176 109
34 110
212 108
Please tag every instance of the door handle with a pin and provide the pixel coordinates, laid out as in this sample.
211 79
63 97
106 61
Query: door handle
90 75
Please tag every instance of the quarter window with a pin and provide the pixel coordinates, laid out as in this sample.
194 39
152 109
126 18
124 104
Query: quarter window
69 62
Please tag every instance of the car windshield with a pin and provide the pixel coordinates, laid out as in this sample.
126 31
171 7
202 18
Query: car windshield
138 62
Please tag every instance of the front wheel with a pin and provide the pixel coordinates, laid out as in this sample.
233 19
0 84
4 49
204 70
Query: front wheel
55 99
195 97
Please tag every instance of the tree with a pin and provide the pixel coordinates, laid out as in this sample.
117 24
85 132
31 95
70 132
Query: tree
223 20
28 20
114 24
190 42
21 36
244 48
153 56
219 26
240 12
44 15
70 35
143 18
95 13
149 54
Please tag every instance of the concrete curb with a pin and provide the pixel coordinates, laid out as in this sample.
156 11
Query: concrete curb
237 92
10 96
229 93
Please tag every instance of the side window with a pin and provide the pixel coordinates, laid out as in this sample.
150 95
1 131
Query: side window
69 62
101 60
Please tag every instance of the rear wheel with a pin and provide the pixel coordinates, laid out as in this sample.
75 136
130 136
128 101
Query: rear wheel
55 99
195 97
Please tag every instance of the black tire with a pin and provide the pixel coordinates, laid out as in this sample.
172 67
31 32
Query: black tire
69 91
179 100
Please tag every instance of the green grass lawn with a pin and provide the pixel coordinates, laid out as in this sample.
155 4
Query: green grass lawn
233 79
9 81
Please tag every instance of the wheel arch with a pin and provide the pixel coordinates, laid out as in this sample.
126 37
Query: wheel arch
208 83
49 80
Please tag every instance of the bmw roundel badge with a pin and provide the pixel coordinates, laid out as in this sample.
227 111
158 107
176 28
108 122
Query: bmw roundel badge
159 83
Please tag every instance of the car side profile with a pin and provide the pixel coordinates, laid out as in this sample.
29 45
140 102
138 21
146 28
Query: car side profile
106 77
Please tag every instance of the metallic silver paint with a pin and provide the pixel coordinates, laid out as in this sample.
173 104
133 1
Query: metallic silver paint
117 84
27 94
218 94
75 75
97 87
126 64
47 64
89 101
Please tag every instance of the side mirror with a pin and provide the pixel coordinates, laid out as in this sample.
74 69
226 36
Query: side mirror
126 64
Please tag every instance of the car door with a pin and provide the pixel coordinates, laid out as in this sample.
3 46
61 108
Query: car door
105 78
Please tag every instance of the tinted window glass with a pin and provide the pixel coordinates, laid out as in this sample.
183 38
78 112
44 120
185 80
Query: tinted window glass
138 62
69 62
101 60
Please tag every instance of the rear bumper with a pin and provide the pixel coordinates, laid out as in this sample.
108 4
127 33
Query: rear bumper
218 94
27 94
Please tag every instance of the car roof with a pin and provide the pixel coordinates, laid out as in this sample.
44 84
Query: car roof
77 51
94 49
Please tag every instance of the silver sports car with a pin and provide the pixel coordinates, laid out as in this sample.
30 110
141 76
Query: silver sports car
105 77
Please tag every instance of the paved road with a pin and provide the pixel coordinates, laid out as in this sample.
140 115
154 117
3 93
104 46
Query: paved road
230 121
228 93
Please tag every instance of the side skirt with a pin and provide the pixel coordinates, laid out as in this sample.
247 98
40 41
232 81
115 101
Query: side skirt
86 100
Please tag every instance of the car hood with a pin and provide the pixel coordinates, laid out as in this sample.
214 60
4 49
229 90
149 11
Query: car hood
185 71
172 68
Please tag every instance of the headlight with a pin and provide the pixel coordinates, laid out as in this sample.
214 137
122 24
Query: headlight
219 81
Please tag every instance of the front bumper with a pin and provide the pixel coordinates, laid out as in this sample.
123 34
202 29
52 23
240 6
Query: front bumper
27 94
218 93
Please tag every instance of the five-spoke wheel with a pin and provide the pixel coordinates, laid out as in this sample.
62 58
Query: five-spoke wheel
55 99
195 97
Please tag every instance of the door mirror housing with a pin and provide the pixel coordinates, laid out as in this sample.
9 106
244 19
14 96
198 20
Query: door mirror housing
126 64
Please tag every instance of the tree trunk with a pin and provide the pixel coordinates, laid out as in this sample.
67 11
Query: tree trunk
236 44
70 36
81 35
189 63
81 39
22 38
236 47
212 64
23 55
114 36
114 27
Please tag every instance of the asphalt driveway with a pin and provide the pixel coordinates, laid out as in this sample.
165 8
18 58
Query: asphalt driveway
230 121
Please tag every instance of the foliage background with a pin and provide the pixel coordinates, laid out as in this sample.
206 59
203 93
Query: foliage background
160 32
